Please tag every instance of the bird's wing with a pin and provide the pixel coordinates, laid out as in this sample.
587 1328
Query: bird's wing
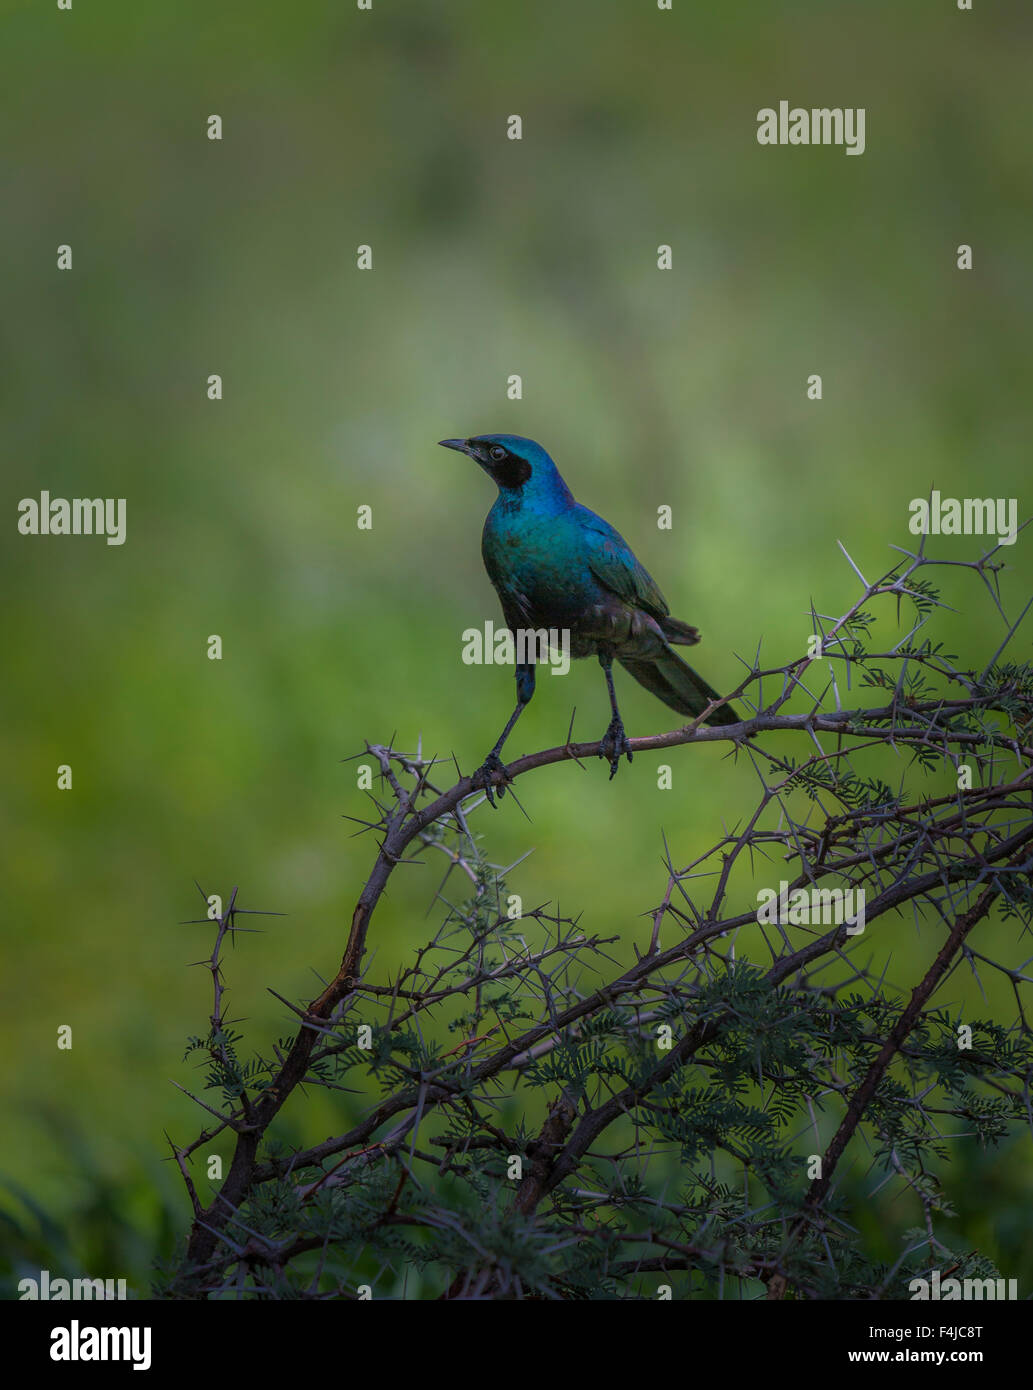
613 563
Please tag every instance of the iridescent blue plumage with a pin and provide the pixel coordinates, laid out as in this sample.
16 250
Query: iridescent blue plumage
555 564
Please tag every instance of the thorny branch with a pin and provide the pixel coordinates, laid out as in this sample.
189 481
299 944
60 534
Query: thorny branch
749 1048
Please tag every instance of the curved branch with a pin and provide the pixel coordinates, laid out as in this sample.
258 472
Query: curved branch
406 822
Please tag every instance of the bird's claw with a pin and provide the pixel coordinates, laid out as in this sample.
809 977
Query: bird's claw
492 772
615 742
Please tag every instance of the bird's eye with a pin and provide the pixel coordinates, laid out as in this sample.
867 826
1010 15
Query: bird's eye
497 452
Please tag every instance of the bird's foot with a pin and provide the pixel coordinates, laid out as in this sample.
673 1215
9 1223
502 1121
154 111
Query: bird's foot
492 772
615 742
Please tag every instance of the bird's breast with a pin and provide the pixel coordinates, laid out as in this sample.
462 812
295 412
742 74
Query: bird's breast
540 570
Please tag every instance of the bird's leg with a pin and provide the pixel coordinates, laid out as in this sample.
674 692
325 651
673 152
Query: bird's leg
493 768
615 740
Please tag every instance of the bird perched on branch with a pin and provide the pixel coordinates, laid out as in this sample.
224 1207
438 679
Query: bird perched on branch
555 564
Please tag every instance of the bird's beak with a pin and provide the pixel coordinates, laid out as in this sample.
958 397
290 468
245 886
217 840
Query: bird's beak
459 445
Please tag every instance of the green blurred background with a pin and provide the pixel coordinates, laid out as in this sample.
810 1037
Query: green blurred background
491 257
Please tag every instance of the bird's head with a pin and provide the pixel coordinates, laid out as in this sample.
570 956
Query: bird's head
514 464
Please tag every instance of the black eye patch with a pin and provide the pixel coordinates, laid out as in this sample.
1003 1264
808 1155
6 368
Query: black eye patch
511 471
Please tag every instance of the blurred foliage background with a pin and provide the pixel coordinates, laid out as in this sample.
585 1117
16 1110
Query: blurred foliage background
491 257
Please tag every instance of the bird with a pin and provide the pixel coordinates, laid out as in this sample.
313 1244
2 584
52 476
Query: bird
556 564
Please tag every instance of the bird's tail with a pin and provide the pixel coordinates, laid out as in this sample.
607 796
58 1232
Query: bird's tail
675 631
677 684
